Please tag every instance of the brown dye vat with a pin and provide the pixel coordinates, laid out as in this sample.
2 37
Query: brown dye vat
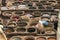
41 38
1 20
20 0
29 38
50 32
40 31
9 30
20 13
12 25
12 21
33 23
15 38
25 18
52 1
51 38
36 14
21 30
22 23
31 30
7 14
